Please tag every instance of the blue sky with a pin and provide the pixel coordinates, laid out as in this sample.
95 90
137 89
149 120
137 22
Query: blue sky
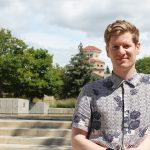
60 25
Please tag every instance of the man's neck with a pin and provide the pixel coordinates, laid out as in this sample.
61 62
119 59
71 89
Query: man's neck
125 74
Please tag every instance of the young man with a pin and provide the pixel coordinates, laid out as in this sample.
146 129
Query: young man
114 113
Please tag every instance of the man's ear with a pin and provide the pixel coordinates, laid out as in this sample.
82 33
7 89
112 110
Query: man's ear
107 50
138 46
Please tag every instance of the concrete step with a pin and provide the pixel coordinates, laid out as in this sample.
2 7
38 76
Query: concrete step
23 134
12 123
53 116
32 147
61 141
35 132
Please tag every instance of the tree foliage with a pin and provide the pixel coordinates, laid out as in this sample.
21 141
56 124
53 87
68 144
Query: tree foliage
107 71
26 72
77 74
143 65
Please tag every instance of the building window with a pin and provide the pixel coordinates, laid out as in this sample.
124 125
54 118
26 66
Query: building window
91 55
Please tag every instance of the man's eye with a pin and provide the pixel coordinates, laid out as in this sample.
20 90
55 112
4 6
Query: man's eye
115 47
126 46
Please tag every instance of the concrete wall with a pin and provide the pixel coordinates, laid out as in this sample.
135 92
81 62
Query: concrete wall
23 106
39 108
14 106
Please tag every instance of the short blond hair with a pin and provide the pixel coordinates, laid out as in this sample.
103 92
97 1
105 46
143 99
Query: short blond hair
119 27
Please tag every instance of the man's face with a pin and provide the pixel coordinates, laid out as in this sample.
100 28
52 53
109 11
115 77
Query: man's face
122 51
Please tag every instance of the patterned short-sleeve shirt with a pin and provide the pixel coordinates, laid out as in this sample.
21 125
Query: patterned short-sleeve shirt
115 112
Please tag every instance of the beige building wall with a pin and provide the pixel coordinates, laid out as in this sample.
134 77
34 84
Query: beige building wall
93 54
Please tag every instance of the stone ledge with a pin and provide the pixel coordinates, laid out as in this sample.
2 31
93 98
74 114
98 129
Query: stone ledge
60 110
63 117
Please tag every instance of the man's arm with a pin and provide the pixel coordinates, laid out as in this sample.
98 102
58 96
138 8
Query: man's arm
80 141
145 144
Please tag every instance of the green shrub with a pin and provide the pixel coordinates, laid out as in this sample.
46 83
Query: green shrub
64 103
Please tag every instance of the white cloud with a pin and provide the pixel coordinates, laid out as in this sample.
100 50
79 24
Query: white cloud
60 25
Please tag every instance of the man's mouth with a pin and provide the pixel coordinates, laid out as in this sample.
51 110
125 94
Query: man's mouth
122 58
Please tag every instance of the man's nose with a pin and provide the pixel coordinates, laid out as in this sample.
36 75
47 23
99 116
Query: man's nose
121 51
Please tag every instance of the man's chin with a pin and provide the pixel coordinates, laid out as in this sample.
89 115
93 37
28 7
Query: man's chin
123 65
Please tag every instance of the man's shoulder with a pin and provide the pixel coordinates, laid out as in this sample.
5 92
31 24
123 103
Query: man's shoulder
99 87
98 83
143 74
145 78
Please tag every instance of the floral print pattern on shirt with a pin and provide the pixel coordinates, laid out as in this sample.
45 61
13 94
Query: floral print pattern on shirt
115 112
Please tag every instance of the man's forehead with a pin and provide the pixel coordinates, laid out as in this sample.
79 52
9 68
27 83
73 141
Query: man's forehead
126 37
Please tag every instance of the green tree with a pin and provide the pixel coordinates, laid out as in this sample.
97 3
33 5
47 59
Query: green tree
107 71
55 79
26 72
36 64
143 65
10 44
11 50
77 74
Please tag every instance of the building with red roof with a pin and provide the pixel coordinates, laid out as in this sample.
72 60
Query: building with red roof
93 53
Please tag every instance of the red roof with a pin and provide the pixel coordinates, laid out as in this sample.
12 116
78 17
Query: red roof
91 48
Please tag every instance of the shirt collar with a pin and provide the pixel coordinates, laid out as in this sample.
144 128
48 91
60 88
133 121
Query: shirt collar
117 81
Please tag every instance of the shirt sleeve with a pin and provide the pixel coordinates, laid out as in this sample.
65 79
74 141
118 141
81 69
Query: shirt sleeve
82 114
